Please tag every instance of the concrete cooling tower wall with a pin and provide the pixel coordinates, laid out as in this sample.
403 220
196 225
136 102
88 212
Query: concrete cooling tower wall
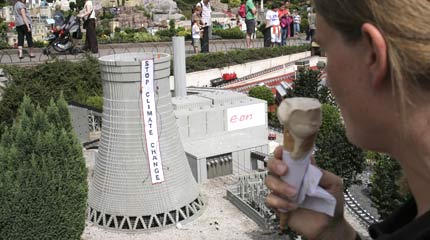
142 179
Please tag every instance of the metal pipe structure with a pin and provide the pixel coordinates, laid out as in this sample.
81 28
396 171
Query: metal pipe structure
179 67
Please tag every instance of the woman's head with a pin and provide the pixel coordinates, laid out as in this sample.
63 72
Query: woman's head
382 58
405 27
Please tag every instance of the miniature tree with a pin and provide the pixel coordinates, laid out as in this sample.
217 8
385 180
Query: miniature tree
334 152
263 93
386 191
42 176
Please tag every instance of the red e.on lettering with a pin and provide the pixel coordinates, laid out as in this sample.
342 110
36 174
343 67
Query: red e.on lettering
241 118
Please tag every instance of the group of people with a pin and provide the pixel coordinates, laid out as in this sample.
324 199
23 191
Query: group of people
24 26
379 77
201 26
280 23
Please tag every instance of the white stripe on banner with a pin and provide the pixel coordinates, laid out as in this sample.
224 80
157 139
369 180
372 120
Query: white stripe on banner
150 121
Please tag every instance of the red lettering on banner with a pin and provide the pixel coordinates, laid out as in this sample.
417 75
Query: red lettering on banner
241 118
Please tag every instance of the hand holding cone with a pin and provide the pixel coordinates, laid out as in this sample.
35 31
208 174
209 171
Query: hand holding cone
301 118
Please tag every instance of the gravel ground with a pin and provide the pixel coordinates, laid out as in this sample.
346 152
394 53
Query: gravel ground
359 193
220 220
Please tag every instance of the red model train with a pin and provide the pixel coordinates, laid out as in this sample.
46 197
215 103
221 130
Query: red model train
226 77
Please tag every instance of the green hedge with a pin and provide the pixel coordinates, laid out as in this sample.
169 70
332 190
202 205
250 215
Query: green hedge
43 178
77 80
200 62
231 33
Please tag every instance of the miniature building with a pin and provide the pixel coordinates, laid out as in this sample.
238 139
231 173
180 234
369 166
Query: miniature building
39 30
7 14
141 177
282 91
219 129
302 64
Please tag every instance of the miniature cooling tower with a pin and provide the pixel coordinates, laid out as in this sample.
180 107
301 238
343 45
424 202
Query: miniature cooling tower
142 179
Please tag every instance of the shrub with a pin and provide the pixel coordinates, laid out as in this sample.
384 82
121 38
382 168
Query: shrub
334 152
165 33
304 25
201 62
233 3
386 191
42 176
95 101
129 30
231 33
39 44
260 34
77 80
263 93
4 44
185 34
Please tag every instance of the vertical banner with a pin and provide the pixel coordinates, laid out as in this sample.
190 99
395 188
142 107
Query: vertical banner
150 121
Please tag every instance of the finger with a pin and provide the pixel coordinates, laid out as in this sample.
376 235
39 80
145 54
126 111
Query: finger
278 152
276 202
313 161
280 187
277 167
331 181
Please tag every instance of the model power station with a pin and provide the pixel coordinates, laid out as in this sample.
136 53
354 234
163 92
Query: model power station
142 179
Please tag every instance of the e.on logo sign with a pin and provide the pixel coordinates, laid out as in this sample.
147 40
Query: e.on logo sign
246 116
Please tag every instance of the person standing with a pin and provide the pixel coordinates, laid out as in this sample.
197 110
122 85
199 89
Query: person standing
312 18
283 13
251 11
89 15
197 13
196 34
207 23
272 25
297 20
23 27
58 17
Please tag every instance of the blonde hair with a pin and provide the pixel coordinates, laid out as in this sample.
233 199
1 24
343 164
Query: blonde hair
405 26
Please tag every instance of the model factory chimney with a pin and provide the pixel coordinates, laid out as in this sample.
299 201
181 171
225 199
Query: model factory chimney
142 179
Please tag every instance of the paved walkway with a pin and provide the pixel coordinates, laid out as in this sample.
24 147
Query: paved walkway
10 56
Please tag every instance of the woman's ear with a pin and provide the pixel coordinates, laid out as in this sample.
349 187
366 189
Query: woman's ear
376 56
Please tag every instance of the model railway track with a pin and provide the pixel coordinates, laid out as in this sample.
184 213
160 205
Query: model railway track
364 216
260 73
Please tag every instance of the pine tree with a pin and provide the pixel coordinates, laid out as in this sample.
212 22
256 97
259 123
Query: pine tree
43 176
385 190
306 84
334 152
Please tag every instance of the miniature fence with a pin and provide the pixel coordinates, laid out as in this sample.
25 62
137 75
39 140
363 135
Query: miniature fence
9 56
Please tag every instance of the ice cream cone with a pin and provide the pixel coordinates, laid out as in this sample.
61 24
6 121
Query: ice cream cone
282 221
301 118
